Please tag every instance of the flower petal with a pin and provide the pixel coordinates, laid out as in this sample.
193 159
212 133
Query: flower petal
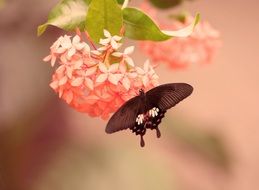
114 68
69 72
54 85
117 38
129 60
57 43
60 92
59 50
140 71
53 61
77 81
114 44
89 83
129 50
106 33
68 96
61 69
103 48
47 58
87 48
101 78
91 99
103 68
114 78
126 83
123 68
76 40
71 52
95 52
62 81
145 80
66 42
80 46
117 54
146 65
132 74
90 71
78 64
105 41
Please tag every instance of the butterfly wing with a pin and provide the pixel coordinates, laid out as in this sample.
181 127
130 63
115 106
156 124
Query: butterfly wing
168 95
125 117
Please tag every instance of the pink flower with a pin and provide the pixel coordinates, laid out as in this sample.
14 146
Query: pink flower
147 74
200 47
65 47
127 76
90 82
109 74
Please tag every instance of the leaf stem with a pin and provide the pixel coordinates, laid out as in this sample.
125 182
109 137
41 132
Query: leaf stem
125 4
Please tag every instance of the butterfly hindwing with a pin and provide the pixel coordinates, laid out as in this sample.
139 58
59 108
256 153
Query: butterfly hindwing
168 95
126 116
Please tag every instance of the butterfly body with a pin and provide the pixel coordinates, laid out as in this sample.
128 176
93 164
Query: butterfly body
147 110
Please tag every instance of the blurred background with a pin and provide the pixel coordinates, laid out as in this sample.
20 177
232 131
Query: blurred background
209 141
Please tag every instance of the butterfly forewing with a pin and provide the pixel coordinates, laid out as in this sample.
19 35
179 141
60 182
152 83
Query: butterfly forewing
125 117
168 95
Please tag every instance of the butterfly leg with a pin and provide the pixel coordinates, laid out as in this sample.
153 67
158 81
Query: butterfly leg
158 133
142 142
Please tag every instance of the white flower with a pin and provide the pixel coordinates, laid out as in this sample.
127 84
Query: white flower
125 55
148 74
110 40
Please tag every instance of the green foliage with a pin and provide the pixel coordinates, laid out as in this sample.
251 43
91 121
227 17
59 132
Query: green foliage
67 15
181 17
139 26
97 15
103 14
164 4
120 1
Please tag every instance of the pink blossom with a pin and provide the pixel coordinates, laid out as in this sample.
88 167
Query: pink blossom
199 47
87 79
109 74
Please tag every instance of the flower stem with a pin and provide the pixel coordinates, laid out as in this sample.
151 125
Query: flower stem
90 40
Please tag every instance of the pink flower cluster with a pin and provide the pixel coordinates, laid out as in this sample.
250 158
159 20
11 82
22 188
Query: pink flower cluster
99 81
199 47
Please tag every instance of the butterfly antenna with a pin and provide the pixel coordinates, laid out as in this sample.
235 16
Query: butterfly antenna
158 133
142 142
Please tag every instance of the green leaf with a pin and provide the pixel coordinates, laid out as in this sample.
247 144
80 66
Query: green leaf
139 26
103 14
67 15
120 1
164 4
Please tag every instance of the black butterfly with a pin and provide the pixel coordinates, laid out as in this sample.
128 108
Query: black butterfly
146 110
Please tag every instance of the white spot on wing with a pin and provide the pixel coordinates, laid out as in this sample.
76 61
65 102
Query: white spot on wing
140 119
153 112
